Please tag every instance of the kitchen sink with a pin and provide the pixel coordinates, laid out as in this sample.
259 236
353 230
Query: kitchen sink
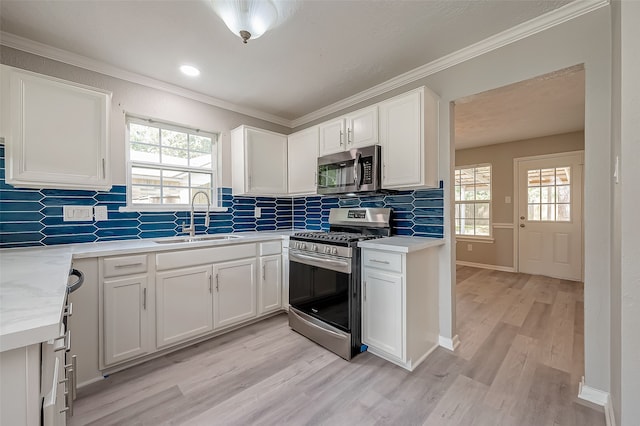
197 238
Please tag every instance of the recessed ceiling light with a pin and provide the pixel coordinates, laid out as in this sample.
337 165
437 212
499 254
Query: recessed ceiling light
189 70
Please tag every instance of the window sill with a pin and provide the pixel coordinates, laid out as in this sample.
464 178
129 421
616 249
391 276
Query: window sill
471 239
159 209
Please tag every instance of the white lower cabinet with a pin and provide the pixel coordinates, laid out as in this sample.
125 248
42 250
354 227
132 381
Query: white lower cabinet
126 318
235 292
382 311
183 304
400 304
270 288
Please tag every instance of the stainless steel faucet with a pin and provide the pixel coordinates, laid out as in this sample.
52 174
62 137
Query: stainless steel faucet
192 227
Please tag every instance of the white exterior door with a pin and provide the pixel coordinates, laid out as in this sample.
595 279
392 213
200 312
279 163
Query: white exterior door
549 221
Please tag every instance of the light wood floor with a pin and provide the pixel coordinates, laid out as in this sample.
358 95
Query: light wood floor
519 363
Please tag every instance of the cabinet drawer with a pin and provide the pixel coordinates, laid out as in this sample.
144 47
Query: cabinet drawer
271 247
382 260
124 265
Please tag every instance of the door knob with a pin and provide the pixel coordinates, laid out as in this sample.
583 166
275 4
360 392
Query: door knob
522 225
522 217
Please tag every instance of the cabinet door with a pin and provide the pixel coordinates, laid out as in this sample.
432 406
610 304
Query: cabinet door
401 139
126 319
184 304
332 136
382 312
235 292
362 127
303 161
266 162
270 289
58 133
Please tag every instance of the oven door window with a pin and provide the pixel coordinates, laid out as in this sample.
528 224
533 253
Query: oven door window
321 293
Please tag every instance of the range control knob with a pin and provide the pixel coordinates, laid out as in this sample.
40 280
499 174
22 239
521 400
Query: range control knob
334 250
327 249
314 247
302 246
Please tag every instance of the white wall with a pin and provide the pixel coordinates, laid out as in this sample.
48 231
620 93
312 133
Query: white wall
625 277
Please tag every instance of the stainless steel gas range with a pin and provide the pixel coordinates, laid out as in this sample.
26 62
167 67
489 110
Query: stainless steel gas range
324 278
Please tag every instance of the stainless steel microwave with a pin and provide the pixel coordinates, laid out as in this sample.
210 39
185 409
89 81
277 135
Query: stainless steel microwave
350 172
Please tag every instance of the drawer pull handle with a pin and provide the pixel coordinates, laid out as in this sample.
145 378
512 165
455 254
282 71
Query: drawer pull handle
67 342
144 298
385 262
128 265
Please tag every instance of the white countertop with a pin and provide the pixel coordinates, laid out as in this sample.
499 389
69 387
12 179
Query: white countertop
33 281
402 244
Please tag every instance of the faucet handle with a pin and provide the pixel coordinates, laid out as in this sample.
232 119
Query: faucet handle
207 220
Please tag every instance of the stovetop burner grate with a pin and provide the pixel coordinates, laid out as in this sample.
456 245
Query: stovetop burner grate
333 236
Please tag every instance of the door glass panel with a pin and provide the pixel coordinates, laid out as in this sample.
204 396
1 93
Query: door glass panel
547 177
562 212
549 194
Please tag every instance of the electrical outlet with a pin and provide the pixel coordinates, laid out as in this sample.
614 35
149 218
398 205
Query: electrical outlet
257 212
469 247
100 213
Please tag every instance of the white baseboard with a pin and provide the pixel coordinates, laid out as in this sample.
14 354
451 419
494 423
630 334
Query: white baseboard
449 343
598 397
485 266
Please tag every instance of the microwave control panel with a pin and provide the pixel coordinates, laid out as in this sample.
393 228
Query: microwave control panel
367 170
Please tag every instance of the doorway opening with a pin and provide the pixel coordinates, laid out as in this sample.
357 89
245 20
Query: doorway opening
518 191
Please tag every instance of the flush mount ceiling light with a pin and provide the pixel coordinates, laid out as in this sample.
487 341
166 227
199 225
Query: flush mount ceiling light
248 19
190 70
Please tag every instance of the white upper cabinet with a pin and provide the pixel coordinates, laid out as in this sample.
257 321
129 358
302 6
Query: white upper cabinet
409 140
362 127
356 129
56 132
302 161
259 162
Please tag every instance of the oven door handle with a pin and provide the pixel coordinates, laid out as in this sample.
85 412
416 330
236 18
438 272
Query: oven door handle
320 262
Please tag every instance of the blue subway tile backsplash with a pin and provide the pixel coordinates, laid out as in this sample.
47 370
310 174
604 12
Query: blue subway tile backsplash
31 217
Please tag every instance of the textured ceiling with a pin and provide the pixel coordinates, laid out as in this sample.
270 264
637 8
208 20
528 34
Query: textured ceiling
547 105
323 52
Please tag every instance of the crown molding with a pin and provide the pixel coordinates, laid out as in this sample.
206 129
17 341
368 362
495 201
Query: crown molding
543 22
60 55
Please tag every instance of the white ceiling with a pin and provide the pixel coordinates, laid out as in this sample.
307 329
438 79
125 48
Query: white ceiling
547 105
323 52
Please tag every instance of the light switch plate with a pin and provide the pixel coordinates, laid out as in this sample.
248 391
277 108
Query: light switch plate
100 213
77 213
507 199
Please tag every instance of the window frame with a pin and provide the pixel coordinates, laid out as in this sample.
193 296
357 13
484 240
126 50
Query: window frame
466 237
216 172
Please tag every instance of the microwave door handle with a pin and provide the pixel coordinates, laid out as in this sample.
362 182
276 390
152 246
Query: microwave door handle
356 169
